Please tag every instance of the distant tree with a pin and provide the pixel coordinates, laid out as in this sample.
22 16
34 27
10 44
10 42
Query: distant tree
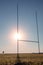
2 52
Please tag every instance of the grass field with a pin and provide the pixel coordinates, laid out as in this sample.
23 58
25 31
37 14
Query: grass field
27 58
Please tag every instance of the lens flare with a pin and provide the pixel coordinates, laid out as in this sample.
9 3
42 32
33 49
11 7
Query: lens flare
17 36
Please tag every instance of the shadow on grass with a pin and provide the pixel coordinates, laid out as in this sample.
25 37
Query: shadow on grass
23 63
29 63
19 64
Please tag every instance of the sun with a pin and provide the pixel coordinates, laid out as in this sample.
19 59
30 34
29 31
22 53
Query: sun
14 35
17 36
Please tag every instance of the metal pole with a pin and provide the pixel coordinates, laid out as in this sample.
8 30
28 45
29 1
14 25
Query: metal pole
17 33
29 41
37 33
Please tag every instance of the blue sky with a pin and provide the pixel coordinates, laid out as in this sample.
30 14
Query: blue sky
27 24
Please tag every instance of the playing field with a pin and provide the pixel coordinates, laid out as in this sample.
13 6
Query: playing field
10 59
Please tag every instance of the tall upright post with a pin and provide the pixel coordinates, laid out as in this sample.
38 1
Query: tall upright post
37 33
17 39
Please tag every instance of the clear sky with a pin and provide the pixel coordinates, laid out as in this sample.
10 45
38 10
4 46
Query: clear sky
27 25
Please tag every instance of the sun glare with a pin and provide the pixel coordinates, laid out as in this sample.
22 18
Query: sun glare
17 36
13 35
